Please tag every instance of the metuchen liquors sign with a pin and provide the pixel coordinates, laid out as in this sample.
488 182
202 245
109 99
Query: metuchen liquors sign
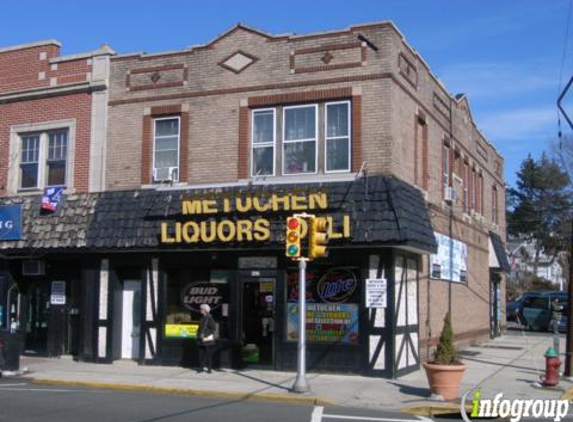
247 216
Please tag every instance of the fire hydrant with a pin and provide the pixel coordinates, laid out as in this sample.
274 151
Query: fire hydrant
552 364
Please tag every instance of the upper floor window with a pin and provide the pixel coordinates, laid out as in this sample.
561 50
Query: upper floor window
43 159
337 144
263 151
300 130
494 207
446 165
305 139
466 179
166 145
473 190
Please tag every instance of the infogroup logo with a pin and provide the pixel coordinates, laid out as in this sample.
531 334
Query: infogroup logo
515 409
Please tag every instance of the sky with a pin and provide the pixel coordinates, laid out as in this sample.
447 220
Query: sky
508 56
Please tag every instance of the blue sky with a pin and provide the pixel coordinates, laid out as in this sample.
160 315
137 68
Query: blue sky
506 55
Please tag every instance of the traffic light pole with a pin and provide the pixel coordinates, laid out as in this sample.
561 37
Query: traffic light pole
300 384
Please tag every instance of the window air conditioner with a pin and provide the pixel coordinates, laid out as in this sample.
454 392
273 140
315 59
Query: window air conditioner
449 194
33 268
165 174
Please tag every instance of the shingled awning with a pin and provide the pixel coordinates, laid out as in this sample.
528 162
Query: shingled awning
383 211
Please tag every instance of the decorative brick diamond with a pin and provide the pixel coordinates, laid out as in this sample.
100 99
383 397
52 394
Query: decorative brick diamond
155 77
238 61
327 58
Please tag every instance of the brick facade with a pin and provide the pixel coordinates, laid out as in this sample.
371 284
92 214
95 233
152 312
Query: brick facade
400 119
37 87
400 116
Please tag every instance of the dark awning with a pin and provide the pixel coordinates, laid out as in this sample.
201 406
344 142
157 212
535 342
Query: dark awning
379 211
500 254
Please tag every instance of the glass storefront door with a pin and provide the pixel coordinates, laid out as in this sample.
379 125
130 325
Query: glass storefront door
258 321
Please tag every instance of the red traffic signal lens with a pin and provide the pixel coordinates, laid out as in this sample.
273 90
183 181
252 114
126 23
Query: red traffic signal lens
292 250
293 223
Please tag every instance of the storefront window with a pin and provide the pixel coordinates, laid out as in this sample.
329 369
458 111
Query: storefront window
186 291
333 299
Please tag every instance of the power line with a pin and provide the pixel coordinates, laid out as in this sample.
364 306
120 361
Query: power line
566 41
563 56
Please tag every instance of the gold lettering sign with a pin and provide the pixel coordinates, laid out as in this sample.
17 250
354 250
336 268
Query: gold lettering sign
245 230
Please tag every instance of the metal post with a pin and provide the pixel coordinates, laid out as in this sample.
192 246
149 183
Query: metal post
300 384
569 344
451 259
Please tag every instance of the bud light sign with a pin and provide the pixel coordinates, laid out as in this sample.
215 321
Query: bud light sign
10 222
195 294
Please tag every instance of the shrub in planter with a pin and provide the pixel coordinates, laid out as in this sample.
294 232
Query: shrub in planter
445 371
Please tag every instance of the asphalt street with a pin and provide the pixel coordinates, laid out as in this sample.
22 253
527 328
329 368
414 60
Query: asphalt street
22 401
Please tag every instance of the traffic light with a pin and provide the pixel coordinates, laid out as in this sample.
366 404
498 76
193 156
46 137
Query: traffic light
293 228
318 237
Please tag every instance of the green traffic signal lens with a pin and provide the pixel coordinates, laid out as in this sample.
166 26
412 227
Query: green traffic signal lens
292 250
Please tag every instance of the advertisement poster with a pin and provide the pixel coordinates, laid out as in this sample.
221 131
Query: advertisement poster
325 322
181 330
450 263
332 297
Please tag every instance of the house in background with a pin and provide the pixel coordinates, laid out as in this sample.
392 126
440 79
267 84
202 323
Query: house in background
522 254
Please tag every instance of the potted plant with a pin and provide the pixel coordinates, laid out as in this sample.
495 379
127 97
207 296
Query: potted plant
445 371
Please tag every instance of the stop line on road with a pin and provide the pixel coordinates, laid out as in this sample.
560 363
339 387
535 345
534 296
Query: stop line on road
318 415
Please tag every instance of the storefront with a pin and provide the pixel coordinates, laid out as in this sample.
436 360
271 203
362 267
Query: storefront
150 258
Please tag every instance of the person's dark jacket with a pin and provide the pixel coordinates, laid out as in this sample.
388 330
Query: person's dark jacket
207 327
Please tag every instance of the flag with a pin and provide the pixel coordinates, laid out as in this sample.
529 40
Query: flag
51 198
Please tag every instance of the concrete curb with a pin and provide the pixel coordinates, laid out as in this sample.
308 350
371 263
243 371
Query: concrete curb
567 395
272 397
435 409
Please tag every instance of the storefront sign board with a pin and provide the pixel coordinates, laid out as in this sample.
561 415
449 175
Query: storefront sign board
10 222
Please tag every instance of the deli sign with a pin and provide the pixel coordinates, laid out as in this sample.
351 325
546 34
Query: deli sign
10 222
195 294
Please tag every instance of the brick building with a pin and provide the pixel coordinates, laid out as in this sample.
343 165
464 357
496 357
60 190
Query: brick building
52 133
208 149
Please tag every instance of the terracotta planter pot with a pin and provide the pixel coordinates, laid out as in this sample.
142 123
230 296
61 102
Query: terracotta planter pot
445 380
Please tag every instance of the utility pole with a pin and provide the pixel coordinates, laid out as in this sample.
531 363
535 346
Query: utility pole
569 344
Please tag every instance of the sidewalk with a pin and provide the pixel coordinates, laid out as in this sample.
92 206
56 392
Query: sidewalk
510 364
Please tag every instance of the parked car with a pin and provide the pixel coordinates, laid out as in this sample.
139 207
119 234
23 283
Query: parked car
514 308
535 312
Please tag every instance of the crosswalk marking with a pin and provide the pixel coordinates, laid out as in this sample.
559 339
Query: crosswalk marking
317 414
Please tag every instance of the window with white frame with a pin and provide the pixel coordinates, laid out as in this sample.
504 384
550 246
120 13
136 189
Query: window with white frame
263 142
446 166
166 144
337 138
300 130
302 139
43 159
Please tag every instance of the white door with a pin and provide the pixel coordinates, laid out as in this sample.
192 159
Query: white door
130 327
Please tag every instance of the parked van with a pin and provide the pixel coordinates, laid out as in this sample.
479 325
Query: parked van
536 310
